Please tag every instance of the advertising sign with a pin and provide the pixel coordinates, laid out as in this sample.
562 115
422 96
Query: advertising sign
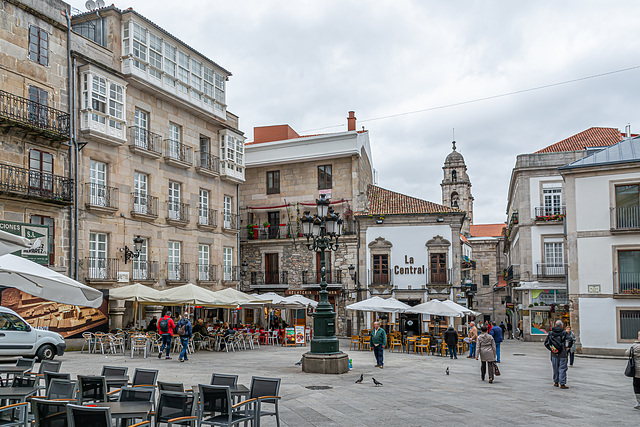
39 254
300 335
290 336
70 321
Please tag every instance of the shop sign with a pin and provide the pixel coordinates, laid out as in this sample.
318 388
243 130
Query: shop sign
549 296
300 335
39 254
289 336
309 292
409 268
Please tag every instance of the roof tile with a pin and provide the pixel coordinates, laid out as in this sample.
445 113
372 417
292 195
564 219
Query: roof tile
387 202
592 137
487 230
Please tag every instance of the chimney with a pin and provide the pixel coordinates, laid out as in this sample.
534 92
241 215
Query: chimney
627 130
351 121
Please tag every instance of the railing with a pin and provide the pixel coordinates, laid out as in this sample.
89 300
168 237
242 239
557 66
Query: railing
550 213
178 151
315 277
380 279
230 274
101 269
629 283
177 211
101 196
207 273
208 161
177 272
34 114
280 231
145 270
207 217
268 277
512 272
142 138
551 270
349 227
439 277
230 221
144 204
625 218
26 182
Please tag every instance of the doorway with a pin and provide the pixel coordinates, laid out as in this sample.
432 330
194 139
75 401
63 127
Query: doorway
271 269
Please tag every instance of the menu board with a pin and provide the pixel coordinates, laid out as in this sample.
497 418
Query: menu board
290 336
300 335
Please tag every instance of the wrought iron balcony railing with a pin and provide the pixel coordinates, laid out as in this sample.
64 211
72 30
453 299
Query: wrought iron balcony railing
257 278
230 221
207 217
100 196
145 270
177 211
34 115
142 138
101 269
177 151
551 270
512 272
26 182
625 218
230 274
550 213
315 277
177 272
208 162
144 204
207 273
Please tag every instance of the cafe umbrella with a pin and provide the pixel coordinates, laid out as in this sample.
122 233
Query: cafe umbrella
42 282
10 243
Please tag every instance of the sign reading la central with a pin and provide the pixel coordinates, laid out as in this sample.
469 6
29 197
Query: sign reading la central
410 269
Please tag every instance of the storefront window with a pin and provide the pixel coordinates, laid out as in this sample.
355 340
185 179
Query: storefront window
543 321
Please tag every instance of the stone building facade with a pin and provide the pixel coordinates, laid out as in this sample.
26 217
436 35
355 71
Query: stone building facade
36 184
163 158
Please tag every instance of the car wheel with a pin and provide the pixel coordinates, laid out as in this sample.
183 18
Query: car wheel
46 352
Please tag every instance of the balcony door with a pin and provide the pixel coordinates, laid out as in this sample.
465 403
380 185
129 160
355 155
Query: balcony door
552 201
203 263
41 172
140 264
227 211
271 272
203 207
274 224
38 102
205 144
380 269
98 268
628 206
553 259
438 268
174 200
140 189
141 137
227 264
173 267
98 184
327 263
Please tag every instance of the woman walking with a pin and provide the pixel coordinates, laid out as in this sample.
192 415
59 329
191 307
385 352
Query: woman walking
572 349
487 352
635 348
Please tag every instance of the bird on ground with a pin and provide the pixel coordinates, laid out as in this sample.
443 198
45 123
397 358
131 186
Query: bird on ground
377 383
447 371
299 363
359 380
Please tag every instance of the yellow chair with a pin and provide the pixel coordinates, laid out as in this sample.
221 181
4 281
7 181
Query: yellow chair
421 344
355 342
364 342
395 342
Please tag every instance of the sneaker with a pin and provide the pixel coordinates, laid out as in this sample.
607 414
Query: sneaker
159 355
564 386
381 367
556 384
377 366
180 360
167 358
637 406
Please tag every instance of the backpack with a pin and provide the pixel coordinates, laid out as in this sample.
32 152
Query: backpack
182 328
163 325
553 344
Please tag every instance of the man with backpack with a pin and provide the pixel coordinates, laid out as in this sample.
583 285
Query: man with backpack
558 342
165 329
496 333
184 330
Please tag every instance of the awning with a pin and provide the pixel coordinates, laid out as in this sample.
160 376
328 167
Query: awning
526 286
462 309
230 296
189 294
435 308
136 292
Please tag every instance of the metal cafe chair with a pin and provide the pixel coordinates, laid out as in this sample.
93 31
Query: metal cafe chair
142 377
162 386
62 389
49 413
221 379
265 390
91 389
175 408
82 416
48 376
17 414
215 407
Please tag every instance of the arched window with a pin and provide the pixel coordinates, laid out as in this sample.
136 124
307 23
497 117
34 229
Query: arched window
454 199
454 176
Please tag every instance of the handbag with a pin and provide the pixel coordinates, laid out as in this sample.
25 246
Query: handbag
630 371
495 365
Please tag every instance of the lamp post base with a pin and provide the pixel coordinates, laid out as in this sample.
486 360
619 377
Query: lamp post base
336 363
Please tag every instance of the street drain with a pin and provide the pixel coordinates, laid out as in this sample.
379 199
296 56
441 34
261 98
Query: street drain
519 354
319 387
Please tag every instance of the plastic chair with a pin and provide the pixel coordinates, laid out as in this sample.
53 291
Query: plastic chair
421 344
255 340
48 376
89 341
355 342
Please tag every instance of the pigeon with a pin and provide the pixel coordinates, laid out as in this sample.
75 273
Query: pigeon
447 371
299 363
359 380
377 383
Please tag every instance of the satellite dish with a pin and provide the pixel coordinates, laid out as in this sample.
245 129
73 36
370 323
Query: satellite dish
90 5
100 3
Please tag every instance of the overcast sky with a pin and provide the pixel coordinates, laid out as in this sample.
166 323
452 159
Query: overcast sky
307 63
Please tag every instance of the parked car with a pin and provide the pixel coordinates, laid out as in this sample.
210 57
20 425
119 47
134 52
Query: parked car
18 338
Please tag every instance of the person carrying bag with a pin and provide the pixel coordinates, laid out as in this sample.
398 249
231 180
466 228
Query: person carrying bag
633 368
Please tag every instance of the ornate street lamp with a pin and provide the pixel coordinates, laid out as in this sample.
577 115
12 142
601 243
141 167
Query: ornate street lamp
137 245
322 232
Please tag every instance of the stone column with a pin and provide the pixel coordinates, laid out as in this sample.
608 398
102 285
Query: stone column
116 313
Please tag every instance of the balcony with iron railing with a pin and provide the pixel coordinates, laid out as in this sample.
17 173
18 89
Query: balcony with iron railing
512 272
144 142
208 164
625 218
551 270
550 214
145 271
100 198
177 213
207 218
268 279
177 272
36 118
177 154
628 283
260 232
313 278
380 278
441 276
207 273
21 182
145 206
230 221
230 274
101 269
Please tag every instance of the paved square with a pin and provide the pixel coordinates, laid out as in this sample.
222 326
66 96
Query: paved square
416 391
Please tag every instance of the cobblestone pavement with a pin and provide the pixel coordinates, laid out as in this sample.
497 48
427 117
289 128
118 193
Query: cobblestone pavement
416 391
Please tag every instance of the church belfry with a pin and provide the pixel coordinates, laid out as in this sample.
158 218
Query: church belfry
456 186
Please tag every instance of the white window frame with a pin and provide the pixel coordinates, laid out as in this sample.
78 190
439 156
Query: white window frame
175 132
203 263
552 201
103 100
140 264
98 251
155 55
227 263
203 207
174 257
173 204
140 192
98 183
553 258
227 212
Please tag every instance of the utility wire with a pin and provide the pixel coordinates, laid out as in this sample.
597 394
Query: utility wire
486 98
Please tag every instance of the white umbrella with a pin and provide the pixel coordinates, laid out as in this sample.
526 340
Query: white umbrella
275 300
387 305
462 309
302 300
189 294
231 296
136 292
10 243
42 282
435 308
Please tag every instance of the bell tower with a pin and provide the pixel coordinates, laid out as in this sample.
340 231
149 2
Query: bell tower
456 186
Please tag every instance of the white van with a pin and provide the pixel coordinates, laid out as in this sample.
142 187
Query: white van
18 338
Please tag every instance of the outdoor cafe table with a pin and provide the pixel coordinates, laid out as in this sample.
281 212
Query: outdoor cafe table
17 393
11 370
126 410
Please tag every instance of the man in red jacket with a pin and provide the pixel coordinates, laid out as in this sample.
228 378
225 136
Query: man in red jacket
165 329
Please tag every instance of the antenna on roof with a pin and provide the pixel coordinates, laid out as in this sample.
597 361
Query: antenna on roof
90 5
100 3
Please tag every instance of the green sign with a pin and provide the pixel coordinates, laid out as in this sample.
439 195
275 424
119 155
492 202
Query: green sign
40 253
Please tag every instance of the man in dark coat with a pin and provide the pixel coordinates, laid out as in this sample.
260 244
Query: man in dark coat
559 360
496 333
451 339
